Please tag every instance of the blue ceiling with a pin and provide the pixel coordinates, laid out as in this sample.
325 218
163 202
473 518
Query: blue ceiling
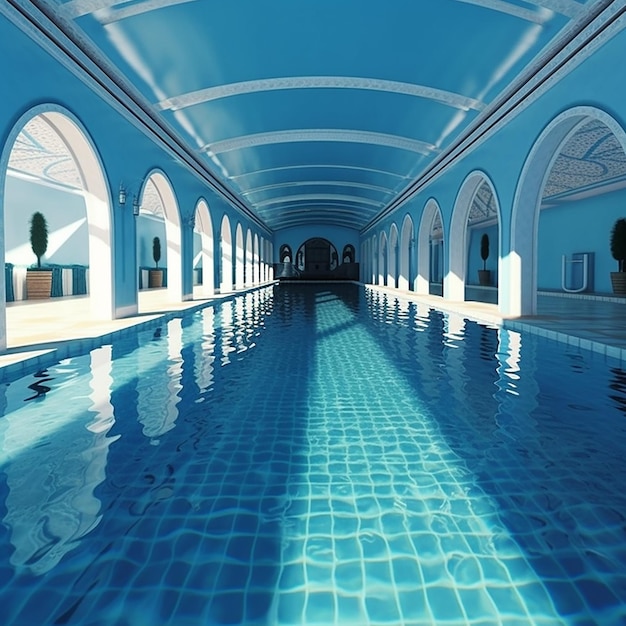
319 112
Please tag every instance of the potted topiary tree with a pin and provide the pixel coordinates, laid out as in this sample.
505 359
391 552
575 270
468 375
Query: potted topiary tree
484 275
155 276
38 278
618 252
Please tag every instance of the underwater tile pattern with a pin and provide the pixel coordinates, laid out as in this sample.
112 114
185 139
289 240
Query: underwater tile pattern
316 455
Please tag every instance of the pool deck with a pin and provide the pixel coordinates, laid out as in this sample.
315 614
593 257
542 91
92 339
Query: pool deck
39 332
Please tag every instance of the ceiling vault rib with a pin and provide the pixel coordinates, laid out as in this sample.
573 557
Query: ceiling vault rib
319 82
325 134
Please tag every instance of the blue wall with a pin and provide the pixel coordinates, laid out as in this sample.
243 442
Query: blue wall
64 213
147 229
295 237
475 262
581 226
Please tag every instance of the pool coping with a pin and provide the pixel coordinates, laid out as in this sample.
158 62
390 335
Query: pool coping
487 314
21 360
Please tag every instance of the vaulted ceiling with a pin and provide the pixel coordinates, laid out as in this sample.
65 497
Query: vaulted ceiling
327 111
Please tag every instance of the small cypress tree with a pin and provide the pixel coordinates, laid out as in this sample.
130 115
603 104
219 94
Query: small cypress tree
156 250
38 235
484 249
618 243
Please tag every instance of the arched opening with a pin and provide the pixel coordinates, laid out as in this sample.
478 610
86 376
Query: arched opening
159 219
226 256
256 261
474 230
50 165
430 251
374 256
203 251
285 256
317 258
347 256
263 258
392 266
270 255
571 179
405 279
239 258
382 259
249 263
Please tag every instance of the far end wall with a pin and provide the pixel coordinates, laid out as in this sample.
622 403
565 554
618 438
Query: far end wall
295 237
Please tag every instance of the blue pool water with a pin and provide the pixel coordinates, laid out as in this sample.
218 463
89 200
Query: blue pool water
315 455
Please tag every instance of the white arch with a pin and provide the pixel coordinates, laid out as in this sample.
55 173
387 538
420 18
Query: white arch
373 259
382 259
262 259
171 215
392 256
407 244
256 261
454 281
519 267
430 212
270 256
226 256
239 258
204 226
248 265
98 205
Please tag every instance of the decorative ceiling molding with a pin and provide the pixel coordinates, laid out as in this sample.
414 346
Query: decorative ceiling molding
323 134
591 158
504 7
41 152
319 183
569 8
78 8
319 165
192 98
321 197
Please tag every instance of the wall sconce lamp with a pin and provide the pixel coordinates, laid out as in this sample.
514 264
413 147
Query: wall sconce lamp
121 198
135 206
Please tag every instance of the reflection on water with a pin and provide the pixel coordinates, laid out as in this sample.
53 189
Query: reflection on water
159 390
51 504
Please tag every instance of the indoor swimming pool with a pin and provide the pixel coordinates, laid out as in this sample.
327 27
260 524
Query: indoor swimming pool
315 455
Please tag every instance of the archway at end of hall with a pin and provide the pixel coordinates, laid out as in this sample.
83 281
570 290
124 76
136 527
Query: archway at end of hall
50 161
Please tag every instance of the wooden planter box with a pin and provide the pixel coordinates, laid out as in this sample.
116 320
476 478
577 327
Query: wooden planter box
38 284
155 278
